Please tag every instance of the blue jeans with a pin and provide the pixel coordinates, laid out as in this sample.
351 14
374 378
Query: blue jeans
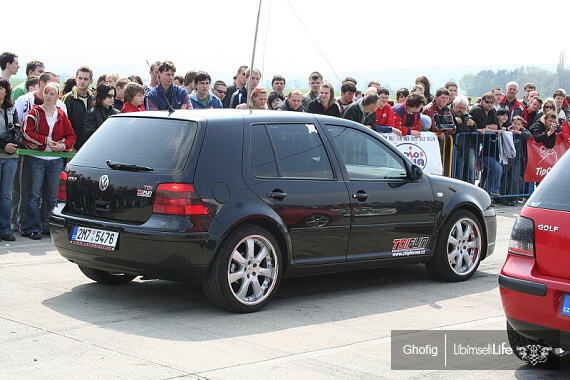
8 168
465 161
494 173
44 175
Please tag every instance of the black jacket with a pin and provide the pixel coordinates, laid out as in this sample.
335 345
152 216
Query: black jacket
483 119
355 113
465 136
538 129
284 106
316 107
76 111
95 117
12 133
227 100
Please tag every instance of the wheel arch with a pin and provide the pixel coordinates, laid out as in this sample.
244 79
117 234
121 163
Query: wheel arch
471 207
277 230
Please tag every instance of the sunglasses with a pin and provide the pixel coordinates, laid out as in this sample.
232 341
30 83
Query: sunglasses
548 107
488 101
110 96
221 91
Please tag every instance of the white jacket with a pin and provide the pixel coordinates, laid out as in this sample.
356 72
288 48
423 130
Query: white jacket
25 103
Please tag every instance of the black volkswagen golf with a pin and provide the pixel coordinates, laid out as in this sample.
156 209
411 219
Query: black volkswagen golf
236 200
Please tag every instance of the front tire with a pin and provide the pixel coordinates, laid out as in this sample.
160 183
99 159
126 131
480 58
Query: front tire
459 248
104 277
245 272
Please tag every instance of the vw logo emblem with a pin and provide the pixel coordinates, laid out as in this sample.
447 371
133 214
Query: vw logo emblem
104 182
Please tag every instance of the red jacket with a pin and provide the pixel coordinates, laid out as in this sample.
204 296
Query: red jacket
62 130
129 107
406 122
566 131
528 117
385 116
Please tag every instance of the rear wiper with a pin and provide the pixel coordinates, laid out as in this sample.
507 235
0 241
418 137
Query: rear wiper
127 167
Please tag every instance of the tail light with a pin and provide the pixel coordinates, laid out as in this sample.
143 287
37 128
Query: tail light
182 199
62 187
178 199
522 237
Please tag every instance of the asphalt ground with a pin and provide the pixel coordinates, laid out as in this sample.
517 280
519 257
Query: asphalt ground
57 324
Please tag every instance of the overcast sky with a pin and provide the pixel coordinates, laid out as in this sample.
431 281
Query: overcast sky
217 35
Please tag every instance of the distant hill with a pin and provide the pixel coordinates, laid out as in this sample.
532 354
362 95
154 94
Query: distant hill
396 78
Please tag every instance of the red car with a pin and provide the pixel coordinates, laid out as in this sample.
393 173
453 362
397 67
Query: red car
535 279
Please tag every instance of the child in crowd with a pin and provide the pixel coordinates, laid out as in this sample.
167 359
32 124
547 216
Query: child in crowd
513 173
134 98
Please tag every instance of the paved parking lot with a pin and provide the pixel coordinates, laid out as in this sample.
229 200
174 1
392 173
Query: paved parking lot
55 323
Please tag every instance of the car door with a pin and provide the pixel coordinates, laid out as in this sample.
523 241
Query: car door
393 216
290 170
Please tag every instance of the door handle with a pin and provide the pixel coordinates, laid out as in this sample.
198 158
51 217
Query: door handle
360 195
277 195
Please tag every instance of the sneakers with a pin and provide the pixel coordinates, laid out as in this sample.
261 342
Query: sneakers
9 237
35 235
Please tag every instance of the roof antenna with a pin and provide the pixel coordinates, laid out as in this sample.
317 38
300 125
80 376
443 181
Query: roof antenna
249 89
170 109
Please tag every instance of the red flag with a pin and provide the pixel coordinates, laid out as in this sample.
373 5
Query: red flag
541 159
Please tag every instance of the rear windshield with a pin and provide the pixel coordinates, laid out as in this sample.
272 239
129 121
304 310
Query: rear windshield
552 193
160 144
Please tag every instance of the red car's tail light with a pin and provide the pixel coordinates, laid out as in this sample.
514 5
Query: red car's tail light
62 187
178 199
522 237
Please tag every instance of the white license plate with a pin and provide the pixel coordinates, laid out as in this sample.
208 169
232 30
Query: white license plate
92 237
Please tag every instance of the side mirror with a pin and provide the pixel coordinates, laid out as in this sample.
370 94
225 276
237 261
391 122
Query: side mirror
416 173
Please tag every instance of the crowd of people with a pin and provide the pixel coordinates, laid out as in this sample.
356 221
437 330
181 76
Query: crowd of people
38 115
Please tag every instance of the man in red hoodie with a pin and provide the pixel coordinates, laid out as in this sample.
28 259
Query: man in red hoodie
407 115
385 114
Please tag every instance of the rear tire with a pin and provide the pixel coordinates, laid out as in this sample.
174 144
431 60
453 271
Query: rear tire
246 271
104 277
533 352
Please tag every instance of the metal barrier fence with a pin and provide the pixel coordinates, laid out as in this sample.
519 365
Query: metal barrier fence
490 161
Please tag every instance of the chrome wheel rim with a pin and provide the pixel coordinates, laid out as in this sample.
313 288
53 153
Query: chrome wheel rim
253 269
464 246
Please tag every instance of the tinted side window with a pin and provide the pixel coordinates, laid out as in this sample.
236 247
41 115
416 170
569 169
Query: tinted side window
262 162
552 192
366 157
161 144
288 150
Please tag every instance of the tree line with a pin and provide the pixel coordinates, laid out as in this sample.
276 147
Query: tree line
546 81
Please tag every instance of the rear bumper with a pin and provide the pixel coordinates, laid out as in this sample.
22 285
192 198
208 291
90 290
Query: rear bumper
154 253
547 336
533 302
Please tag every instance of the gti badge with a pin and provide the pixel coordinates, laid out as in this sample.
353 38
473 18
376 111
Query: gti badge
104 182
